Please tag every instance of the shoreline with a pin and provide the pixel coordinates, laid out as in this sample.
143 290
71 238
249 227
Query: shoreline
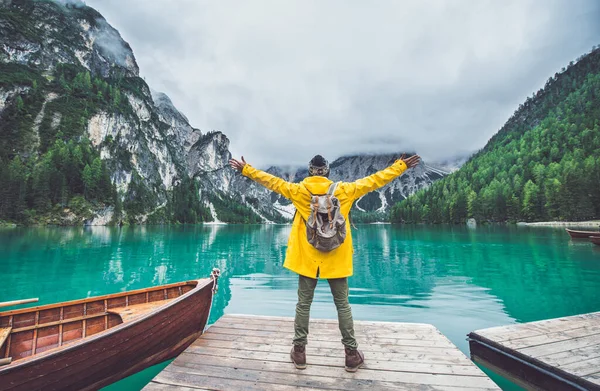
566 224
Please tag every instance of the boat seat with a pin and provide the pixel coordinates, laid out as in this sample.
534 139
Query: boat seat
4 333
133 311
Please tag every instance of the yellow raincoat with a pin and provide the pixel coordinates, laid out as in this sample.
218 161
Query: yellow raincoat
301 256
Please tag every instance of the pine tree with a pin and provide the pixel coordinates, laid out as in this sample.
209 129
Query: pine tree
531 203
20 104
116 97
89 183
87 82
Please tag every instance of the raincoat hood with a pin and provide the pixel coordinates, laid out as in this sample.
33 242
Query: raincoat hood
317 184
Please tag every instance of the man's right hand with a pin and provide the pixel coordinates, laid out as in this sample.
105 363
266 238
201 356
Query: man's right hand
237 165
411 161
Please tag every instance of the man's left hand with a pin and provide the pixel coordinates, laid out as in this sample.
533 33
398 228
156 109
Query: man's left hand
412 161
237 165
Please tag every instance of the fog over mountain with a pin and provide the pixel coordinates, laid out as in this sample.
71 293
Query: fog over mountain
281 79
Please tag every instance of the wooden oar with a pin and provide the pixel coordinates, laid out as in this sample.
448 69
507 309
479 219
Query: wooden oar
16 302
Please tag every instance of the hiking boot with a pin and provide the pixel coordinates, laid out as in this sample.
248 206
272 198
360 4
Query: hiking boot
298 356
354 359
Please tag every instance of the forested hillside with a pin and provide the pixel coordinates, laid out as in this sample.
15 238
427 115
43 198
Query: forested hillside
82 137
543 164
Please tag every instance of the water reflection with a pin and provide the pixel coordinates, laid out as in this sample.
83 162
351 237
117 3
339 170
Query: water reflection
456 278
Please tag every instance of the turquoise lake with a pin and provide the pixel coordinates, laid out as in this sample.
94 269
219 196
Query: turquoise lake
455 278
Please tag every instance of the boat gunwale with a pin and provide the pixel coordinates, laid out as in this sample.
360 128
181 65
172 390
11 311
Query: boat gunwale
94 298
581 232
29 360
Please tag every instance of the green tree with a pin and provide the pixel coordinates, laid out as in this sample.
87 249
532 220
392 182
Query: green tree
531 201
20 104
89 182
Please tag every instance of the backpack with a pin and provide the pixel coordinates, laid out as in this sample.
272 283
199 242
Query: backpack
326 227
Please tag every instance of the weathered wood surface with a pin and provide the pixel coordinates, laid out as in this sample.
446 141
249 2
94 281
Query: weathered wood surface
17 302
91 362
561 353
4 333
241 352
131 312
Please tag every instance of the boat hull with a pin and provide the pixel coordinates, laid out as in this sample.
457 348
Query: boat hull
581 234
595 240
119 352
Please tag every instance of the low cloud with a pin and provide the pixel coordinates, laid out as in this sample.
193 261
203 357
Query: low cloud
111 44
288 79
72 3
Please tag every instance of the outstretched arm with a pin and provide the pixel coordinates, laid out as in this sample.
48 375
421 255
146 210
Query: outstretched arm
381 178
269 181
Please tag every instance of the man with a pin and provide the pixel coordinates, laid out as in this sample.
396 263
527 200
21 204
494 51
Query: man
310 263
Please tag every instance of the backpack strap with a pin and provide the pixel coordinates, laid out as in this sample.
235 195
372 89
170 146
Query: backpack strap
332 188
329 194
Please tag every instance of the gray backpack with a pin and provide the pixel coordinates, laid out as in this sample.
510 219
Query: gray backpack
326 227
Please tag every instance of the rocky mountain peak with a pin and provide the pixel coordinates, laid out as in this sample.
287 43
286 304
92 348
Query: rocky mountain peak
46 33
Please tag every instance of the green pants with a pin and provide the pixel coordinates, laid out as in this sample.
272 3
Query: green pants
339 290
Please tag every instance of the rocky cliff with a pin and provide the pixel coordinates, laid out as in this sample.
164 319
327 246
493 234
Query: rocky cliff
75 113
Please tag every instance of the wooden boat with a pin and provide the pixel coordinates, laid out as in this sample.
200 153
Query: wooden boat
595 239
581 234
90 343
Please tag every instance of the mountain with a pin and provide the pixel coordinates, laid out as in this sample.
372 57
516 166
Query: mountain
543 164
374 206
85 140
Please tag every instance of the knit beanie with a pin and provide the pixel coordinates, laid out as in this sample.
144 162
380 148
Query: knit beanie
318 166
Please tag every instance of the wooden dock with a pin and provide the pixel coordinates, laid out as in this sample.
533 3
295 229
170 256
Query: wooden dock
242 352
555 354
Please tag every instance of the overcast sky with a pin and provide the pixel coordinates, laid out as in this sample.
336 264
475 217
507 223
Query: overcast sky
285 80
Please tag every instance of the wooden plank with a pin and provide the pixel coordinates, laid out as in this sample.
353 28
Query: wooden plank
372 362
56 323
222 381
239 368
358 327
400 339
320 334
136 310
266 319
18 302
370 348
421 357
551 337
330 331
561 346
335 335
5 361
4 333
526 338
532 329
571 356
583 368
